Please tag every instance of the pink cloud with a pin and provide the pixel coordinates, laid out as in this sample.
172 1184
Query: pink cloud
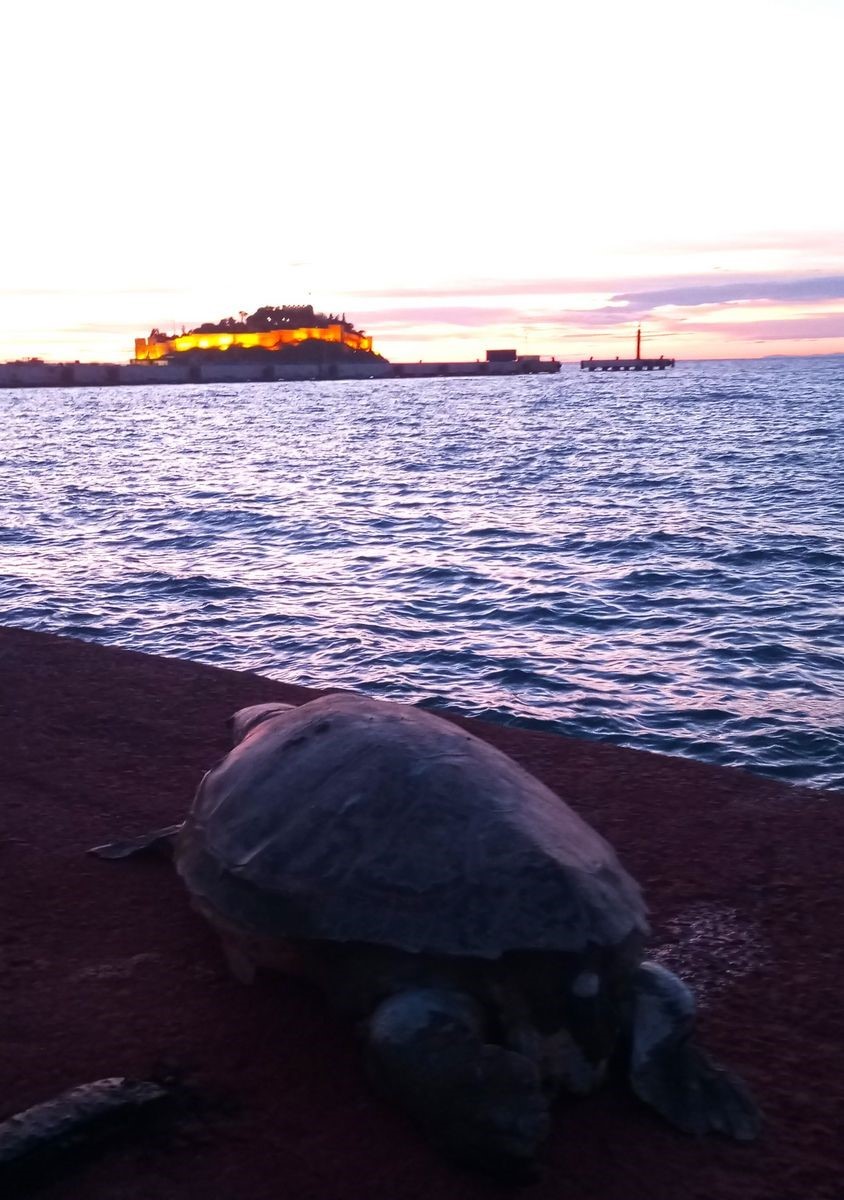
798 328
753 283
671 307
447 315
793 289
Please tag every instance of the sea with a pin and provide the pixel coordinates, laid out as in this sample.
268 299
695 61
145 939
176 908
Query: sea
654 560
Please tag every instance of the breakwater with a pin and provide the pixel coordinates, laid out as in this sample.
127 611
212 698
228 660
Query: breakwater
217 370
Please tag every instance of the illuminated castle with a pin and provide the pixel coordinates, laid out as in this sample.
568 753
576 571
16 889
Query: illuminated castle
267 329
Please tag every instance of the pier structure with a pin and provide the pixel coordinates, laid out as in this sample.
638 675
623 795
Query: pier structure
627 364
217 369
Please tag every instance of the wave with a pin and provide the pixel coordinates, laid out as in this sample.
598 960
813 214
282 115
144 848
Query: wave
654 563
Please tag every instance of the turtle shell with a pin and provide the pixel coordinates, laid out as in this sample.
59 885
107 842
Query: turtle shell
351 819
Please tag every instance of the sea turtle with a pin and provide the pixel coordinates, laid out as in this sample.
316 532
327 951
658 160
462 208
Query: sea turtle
486 938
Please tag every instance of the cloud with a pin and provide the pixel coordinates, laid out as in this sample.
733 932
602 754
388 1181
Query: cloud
116 327
798 328
568 300
475 287
803 242
84 291
689 295
447 315
389 320
670 306
558 286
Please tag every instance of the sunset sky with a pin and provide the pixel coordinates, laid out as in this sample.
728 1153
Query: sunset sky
453 176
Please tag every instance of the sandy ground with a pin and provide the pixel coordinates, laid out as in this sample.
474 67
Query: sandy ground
106 970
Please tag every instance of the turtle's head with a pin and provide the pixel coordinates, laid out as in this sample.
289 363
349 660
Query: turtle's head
247 719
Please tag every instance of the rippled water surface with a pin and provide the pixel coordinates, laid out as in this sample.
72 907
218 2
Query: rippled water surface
653 561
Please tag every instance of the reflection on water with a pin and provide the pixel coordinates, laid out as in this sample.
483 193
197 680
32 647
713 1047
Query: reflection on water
652 561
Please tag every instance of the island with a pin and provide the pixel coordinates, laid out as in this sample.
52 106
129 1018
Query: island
291 333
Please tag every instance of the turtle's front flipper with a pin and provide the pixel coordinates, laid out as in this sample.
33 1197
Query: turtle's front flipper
669 1071
159 841
483 1104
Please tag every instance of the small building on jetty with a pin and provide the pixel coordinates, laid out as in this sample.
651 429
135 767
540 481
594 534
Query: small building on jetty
627 364
497 362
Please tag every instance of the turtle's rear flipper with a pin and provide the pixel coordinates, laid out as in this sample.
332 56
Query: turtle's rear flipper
161 841
481 1103
696 1095
671 1073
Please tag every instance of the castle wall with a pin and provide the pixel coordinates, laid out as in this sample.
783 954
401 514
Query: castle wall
270 339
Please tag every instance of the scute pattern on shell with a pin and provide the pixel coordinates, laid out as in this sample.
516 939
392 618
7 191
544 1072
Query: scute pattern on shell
350 819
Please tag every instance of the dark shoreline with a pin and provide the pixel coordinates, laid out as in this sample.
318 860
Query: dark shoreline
109 972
